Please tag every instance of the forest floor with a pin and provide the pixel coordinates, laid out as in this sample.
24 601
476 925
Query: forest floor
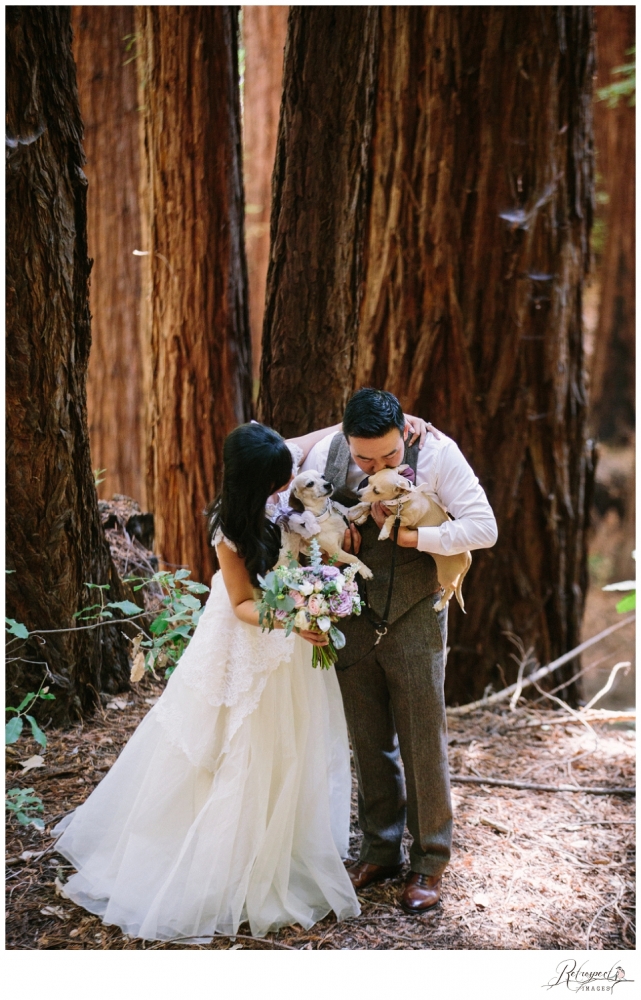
529 870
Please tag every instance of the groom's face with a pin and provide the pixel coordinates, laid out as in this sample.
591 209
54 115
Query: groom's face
373 454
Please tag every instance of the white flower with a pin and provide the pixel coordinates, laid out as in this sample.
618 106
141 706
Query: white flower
306 588
324 624
301 620
318 586
339 583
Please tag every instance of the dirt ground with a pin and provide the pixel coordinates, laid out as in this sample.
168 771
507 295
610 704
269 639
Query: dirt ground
530 869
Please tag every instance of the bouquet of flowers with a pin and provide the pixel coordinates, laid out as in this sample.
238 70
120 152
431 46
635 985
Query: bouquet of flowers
311 598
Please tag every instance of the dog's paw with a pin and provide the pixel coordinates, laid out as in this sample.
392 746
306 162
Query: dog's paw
365 571
443 601
383 534
359 513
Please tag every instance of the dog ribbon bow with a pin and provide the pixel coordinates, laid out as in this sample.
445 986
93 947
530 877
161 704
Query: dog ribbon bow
408 473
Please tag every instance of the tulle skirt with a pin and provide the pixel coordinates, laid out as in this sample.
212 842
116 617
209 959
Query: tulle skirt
217 813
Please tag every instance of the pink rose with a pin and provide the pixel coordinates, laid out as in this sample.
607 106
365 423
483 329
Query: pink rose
314 605
281 615
297 598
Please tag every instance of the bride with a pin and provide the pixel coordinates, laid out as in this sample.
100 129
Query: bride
231 801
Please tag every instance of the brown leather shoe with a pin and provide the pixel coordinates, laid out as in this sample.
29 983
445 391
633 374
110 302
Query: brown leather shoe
362 873
421 892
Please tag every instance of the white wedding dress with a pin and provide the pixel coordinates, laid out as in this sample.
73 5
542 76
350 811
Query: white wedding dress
231 800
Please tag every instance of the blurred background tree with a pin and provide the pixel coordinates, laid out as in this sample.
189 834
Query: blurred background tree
264 29
612 341
195 318
104 50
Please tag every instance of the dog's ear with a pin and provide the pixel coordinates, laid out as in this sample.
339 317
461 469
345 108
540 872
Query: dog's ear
295 503
403 485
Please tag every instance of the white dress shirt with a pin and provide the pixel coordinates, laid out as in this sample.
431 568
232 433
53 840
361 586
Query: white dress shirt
451 483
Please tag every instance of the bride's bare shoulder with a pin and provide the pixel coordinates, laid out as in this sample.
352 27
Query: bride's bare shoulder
235 576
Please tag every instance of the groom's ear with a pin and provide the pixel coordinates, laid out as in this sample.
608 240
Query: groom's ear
295 503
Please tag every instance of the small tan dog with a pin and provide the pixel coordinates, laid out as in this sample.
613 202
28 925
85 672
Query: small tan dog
310 495
417 510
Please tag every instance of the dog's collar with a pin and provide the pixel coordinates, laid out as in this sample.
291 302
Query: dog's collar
329 510
398 503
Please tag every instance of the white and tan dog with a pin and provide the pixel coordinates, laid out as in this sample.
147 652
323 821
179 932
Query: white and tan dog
310 494
417 510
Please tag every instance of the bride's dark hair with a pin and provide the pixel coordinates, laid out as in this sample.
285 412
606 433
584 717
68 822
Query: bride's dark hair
256 462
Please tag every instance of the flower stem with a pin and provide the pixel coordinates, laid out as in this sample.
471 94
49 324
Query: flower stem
326 656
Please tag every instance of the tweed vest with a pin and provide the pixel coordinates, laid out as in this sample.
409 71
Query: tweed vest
415 576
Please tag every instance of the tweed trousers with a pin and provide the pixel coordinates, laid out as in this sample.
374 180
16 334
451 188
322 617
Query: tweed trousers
395 709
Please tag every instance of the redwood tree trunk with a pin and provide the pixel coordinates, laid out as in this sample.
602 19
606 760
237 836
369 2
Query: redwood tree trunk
318 217
55 541
109 104
474 255
264 31
197 351
612 381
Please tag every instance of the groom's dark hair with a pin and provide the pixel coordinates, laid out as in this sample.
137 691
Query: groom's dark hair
371 413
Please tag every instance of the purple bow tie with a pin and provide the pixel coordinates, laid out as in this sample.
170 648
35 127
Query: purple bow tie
408 473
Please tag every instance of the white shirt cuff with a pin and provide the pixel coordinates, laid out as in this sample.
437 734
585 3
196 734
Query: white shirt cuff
429 540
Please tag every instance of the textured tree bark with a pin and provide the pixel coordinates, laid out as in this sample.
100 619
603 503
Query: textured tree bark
109 104
264 32
474 254
197 350
612 374
55 541
318 216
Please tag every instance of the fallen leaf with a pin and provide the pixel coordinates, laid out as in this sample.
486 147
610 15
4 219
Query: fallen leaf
481 900
119 703
54 911
236 947
74 933
35 761
28 855
138 668
58 886
150 701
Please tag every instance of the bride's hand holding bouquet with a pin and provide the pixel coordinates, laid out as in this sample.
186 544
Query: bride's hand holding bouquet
309 600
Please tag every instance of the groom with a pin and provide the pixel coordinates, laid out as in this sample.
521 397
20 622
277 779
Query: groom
393 692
